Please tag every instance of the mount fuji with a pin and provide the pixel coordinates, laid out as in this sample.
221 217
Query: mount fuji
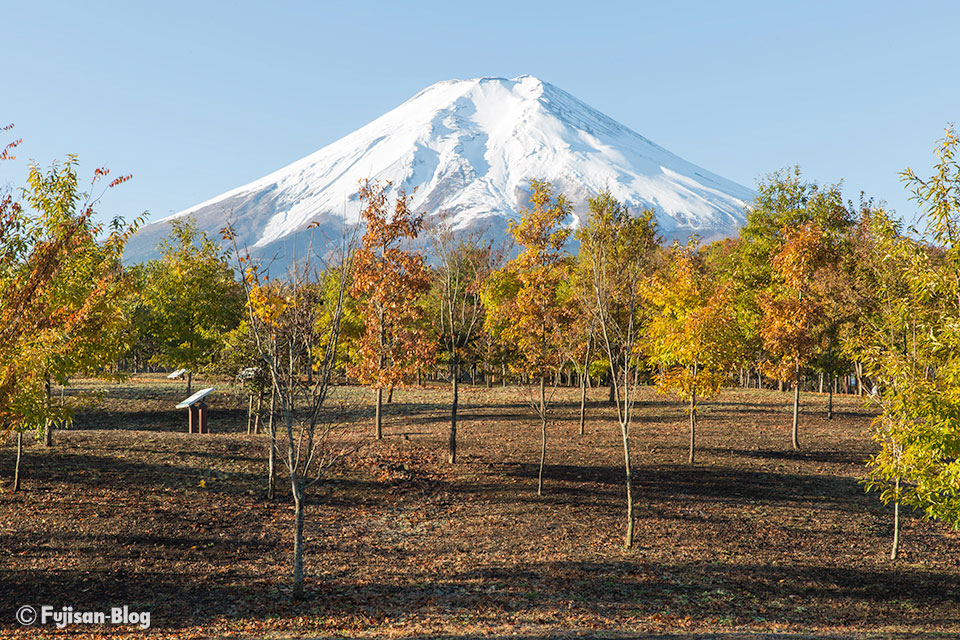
470 148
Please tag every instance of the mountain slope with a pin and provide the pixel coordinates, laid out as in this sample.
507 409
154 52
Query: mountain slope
470 147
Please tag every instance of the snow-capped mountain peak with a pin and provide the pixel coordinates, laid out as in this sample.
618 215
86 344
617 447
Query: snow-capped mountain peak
470 148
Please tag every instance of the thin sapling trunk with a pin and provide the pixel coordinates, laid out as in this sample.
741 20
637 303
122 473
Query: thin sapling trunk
543 433
379 417
796 412
693 423
830 386
452 444
895 548
16 468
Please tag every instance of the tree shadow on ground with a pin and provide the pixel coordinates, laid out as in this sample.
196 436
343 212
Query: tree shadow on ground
660 483
739 594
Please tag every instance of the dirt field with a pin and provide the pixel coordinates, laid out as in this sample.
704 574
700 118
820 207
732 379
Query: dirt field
128 509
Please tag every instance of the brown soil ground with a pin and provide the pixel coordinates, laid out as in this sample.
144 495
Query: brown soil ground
128 509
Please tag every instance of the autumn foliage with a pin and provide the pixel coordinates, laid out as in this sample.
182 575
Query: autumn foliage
389 279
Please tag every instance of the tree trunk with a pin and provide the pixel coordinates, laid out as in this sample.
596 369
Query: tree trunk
452 443
379 419
310 362
796 412
543 433
693 423
612 396
895 549
583 402
256 416
297 539
189 382
390 395
584 380
16 468
830 386
624 431
821 382
249 414
48 423
272 453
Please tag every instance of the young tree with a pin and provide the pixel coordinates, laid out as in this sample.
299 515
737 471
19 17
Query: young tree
276 310
777 318
908 344
60 287
616 252
390 279
463 266
193 296
693 335
529 298
790 311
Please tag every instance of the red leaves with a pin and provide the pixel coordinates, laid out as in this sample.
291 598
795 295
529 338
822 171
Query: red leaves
5 154
120 180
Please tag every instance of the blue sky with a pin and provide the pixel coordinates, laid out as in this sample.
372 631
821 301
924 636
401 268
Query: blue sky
195 98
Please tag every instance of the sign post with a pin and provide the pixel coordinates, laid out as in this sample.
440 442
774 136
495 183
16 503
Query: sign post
197 420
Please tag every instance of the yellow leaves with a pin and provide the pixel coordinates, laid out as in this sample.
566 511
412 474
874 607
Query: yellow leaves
535 321
693 335
268 304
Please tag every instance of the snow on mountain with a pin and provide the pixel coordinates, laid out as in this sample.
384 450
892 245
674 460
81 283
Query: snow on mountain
470 147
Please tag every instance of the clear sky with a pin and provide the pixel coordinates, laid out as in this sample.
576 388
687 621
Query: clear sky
195 98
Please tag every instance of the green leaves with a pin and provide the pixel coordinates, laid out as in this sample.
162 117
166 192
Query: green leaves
192 297
908 342
61 288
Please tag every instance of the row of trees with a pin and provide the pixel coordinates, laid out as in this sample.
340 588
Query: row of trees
812 283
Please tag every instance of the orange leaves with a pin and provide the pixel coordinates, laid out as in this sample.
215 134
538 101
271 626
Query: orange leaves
787 333
5 154
791 310
802 251
389 279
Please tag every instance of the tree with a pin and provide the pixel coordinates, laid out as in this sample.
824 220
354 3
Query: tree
693 335
777 317
389 279
908 345
60 287
529 298
463 265
616 251
790 311
308 444
193 296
